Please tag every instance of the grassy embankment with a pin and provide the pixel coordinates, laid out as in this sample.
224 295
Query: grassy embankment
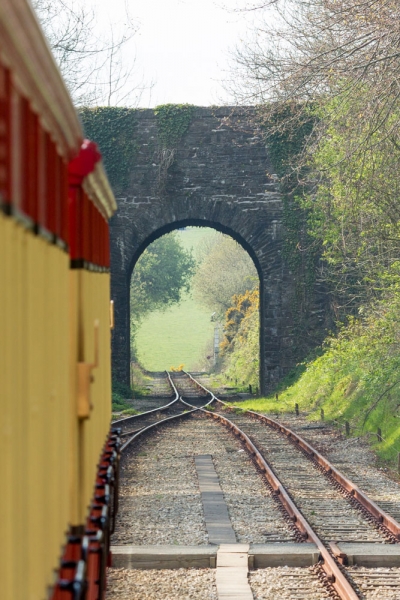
182 332
356 379
123 395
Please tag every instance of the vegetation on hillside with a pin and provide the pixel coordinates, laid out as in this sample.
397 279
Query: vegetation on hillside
356 379
226 281
331 69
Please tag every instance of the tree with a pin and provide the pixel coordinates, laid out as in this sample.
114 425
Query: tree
240 346
354 211
309 51
337 61
91 62
225 269
160 277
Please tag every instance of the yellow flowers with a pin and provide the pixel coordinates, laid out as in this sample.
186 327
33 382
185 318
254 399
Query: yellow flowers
177 369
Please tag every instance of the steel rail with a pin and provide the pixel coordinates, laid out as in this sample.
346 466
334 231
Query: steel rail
146 429
198 385
162 421
369 505
126 420
385 519
335 576
330 563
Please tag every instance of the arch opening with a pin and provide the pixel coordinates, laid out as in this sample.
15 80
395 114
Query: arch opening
181 224
203 328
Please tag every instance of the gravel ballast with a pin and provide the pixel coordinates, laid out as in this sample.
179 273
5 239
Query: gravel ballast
179 584
376 584
353 457
286 583
160 501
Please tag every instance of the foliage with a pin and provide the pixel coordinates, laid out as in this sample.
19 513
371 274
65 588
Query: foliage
120 394
225 269
162 273
313 51
354 210
173 121
240 345
139 381
287 130
114 130
356 378
336 64
177 369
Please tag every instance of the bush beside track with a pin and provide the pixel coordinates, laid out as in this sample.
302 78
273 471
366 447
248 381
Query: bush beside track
356 379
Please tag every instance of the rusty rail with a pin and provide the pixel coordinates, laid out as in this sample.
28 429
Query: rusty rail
126 420
369 505
329 565
149 427
153 425
335 576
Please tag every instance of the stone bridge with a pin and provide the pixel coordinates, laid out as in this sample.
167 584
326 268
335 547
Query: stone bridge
220 178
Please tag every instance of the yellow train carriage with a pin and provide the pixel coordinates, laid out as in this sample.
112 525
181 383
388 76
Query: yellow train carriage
60 460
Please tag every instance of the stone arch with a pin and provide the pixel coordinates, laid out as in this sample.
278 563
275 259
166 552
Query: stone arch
259 249
219 179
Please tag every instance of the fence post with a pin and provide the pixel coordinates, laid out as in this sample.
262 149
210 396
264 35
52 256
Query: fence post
250 389
347 424
379 434
322 414
296 408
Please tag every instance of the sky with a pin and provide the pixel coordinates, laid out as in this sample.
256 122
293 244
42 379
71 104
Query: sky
181 46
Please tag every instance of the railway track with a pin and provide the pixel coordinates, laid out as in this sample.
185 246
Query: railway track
132 425
330 507
261 505
319 504
183 389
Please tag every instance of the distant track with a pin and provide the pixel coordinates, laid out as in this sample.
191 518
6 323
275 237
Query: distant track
176 409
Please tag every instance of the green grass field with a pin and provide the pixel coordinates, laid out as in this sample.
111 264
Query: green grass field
182 333
178 335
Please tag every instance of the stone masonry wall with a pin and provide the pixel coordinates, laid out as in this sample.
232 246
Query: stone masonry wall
221 178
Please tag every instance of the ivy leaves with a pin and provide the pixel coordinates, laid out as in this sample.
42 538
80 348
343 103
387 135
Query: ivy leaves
114 130
173 121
